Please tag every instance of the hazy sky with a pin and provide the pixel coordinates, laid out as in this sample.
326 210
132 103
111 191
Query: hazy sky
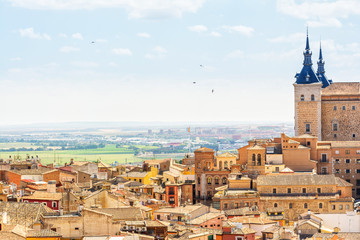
147 54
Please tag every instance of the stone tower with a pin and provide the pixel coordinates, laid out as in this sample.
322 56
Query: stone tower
307 95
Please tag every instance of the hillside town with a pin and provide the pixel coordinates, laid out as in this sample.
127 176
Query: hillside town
285 187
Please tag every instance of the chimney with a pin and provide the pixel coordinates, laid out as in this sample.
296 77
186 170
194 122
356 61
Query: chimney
51 186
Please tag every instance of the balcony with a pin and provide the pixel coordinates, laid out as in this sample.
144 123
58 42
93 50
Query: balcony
297 194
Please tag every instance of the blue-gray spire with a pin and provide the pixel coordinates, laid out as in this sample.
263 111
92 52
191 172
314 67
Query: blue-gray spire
321 70
307 74
307 52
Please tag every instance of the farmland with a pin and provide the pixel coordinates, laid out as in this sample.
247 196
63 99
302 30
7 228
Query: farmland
109 154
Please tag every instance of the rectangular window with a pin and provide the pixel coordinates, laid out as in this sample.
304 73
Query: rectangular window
333 207
308 143
307 128
347 161
337 170
357 160
357 182
335 108
323 157
353 107
343 108
289 190
347 171
274 190
354 135
319 190
347 151
335 126
357 151
304 190
225 205
357 170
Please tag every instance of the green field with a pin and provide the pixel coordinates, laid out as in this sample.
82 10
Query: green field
109 154
17 145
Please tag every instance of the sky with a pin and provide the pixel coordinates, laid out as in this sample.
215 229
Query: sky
137 60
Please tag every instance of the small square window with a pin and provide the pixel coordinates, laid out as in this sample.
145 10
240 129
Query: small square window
337 160
357 170
347 161
353 107
335 108
347 151
347 171
308 143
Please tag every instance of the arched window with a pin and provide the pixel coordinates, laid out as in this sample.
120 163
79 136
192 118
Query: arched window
225 164
220 165
253 159
312 97
259 159
198 180
224 181
275 204
217 180
209 180
302 98
320 205
305 205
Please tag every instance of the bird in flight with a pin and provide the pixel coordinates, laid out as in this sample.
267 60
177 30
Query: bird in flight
93 42
212 91
201 65
194 82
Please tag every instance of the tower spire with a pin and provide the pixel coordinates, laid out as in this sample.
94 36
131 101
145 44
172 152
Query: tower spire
307 52
307 39
321 70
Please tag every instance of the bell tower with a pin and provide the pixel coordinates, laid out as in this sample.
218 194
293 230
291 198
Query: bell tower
307 98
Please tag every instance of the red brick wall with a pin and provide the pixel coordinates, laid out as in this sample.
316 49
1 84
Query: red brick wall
14 178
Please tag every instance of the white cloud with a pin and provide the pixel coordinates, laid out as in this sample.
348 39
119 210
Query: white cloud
63 35
122 51
244 30
77 36
215 34
235 54
320 13
157 52
198 28
295 37
143 35
68 49
85 64
15 59
113 64
135 9
30 33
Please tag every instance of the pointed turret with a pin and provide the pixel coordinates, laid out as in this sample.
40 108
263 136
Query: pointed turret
307 74
321 70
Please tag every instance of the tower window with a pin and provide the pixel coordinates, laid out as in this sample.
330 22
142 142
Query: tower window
335 126
353 107
335 108
335 135
312 97
307 128
302 98
343 107
354 135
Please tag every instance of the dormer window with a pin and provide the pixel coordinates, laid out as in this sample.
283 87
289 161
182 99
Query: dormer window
302 98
